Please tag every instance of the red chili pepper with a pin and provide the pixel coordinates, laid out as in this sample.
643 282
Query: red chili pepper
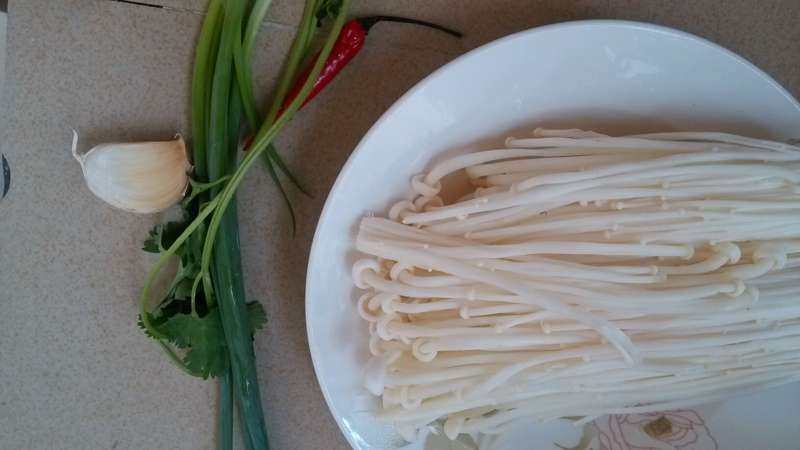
348 44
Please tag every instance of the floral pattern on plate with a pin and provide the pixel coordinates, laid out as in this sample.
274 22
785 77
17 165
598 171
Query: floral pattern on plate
681 429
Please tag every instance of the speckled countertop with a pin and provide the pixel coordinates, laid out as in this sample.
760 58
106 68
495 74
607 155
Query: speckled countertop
75 372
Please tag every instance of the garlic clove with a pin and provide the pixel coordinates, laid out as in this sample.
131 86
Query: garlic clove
140 177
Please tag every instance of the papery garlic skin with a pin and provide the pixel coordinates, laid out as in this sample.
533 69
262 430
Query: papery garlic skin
140 177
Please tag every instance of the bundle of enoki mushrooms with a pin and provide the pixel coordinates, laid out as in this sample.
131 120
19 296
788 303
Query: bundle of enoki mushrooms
585 275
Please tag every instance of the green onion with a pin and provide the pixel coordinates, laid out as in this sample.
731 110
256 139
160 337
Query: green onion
200 85
221 93
299 47
228 285
225 412
266 134
243 54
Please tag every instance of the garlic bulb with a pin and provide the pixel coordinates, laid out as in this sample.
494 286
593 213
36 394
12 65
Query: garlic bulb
141 177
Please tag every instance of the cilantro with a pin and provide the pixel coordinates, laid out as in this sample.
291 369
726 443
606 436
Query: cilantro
152 243
153 320
202 338
195 330
163 235
206 354
183 288
197 188
327 8
256 316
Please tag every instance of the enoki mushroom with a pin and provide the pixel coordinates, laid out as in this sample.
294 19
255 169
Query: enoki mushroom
584 275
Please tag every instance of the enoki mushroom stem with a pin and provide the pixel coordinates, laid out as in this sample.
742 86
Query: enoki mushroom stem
584 275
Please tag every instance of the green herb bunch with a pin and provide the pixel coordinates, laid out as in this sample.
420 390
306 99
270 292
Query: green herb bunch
203 322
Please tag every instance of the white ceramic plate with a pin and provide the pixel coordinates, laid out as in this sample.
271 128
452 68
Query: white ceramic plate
606 75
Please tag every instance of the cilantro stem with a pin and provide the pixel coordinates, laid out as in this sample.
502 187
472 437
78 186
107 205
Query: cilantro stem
199 188
195 284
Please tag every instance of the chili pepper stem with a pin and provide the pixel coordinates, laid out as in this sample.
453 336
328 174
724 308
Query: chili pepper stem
368 22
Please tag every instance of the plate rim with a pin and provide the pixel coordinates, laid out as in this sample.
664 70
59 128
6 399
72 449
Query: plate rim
441 71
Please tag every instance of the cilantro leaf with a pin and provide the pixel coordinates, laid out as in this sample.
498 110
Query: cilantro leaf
201 338
256 317
163 235
327 8
204 340
206 364
171 231
151 244
156 322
